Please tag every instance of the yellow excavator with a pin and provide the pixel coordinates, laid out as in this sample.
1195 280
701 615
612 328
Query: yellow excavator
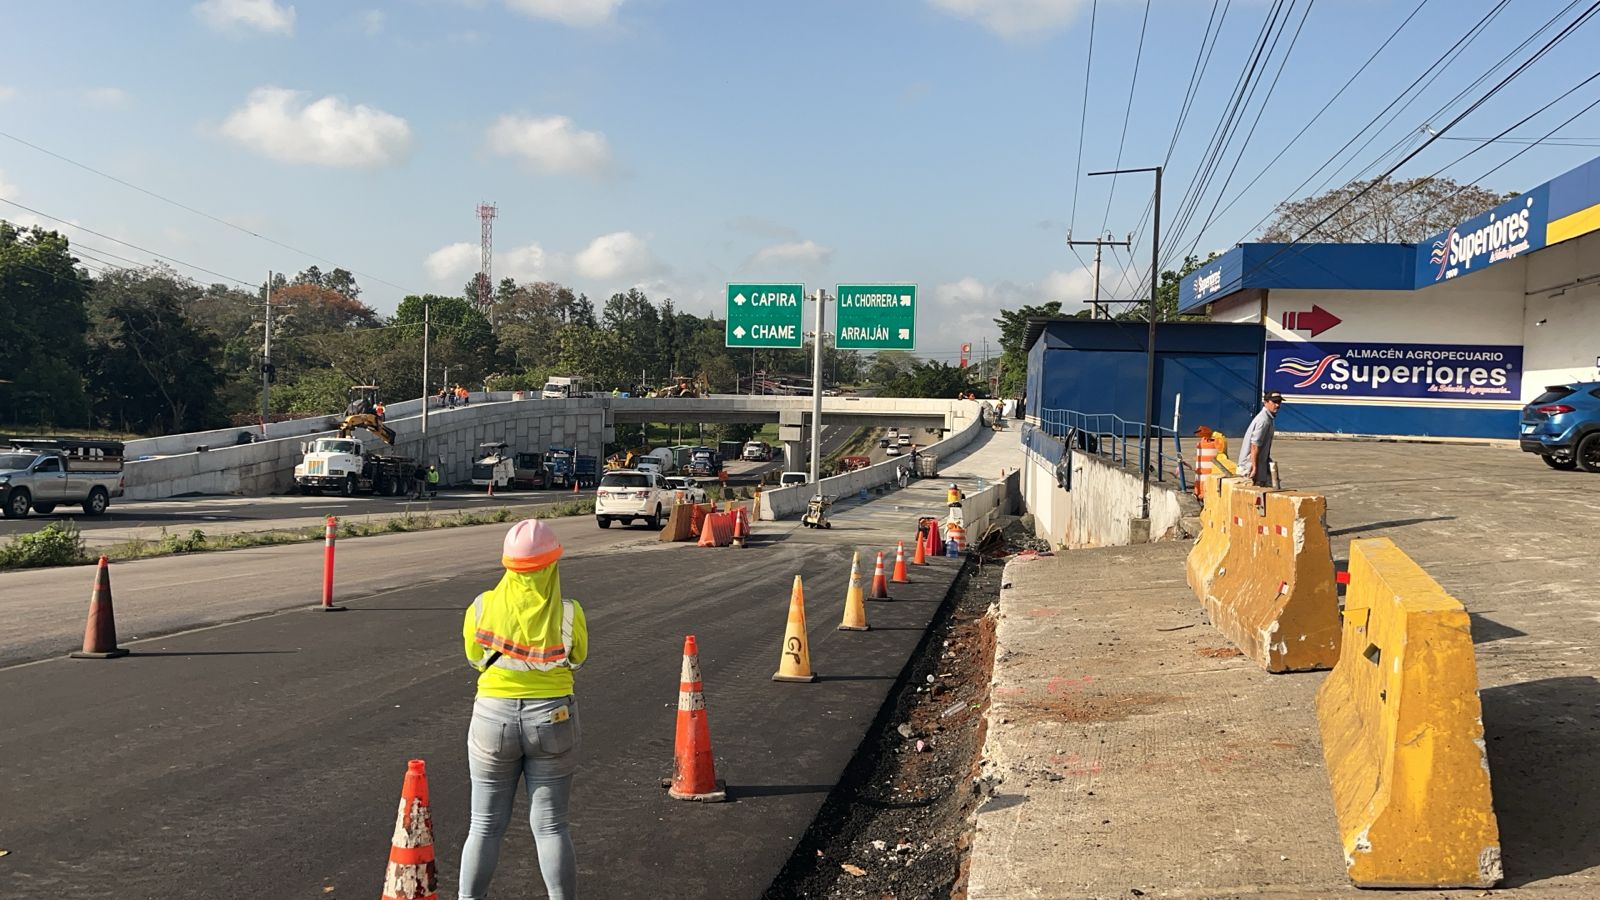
625 460
362 412
682 386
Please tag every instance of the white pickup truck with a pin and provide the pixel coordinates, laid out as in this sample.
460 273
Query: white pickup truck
43 473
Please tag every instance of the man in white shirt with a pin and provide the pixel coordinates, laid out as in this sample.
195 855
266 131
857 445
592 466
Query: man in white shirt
1255 461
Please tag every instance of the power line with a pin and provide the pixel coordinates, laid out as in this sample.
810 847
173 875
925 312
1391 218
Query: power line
1133 84
1083 117
1522 67
171 259
1541 142
199 212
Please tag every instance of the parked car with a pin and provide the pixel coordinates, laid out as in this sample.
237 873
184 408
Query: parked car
628 495
789 479
686 490
43 473
1562 425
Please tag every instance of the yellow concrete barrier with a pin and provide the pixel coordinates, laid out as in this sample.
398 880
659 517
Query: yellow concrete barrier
1212 544
1402 732
1274 594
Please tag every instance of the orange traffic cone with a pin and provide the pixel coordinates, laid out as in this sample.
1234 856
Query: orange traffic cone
794 664
900 564
412 873
918 557
880 584
694 777
100 631
574 485
855 612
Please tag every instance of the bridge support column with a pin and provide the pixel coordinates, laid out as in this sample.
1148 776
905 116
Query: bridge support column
794 456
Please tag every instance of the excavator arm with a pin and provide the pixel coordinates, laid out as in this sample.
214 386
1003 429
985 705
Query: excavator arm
368 421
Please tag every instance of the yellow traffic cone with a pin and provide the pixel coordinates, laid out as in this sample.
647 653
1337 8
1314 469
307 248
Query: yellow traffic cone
855 611
794 664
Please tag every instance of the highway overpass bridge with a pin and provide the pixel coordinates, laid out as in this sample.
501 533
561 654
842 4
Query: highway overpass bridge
213 462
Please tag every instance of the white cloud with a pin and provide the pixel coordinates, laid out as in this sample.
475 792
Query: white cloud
451 261
279 124
804 253
7 189
621 255
552 145
106 97
964 310
7 92
246 15
1014 19
372 21
577 13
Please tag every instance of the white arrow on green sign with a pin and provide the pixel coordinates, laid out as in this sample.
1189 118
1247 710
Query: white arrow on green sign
764 315
876 317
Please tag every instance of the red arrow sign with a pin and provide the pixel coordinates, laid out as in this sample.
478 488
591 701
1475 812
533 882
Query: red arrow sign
1315 320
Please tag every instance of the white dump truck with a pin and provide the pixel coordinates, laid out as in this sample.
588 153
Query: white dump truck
562 387
341 464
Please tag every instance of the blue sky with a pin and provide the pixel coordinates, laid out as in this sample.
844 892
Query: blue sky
679 145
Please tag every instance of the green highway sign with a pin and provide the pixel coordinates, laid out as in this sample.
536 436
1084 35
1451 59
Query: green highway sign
764 315
876 317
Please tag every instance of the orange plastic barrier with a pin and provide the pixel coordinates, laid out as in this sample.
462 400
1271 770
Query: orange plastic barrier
716 530
1274 594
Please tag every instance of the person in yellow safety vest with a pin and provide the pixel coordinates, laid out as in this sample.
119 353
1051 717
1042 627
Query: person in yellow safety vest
433 480
525 640
953 497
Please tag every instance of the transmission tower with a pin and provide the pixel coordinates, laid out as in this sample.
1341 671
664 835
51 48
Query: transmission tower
486 214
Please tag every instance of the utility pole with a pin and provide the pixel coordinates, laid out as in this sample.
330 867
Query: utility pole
1145 448
266 361
423 456
1098 243
816 395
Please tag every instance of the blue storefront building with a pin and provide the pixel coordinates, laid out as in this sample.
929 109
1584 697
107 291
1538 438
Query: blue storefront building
1445 338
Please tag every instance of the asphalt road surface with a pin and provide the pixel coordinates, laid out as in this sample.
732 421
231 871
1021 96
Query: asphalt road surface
267 754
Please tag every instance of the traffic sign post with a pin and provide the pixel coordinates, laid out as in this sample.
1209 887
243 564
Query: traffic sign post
764 316
876 317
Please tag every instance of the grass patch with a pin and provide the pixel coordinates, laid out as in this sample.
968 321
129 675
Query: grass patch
60 544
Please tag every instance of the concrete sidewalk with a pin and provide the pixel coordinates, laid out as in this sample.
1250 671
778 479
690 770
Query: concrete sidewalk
1136 751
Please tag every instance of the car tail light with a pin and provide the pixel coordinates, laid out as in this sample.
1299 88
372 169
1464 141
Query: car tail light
1554 409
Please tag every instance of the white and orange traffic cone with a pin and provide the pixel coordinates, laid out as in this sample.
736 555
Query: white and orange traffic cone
694 775
919 556
900 564
100 631
880 584
412 874
794 664
855 611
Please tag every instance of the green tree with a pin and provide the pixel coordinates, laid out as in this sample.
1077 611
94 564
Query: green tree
1013 331
931 379
43 294
150 368
889 365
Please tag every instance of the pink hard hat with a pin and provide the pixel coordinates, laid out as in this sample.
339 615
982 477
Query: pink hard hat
530 545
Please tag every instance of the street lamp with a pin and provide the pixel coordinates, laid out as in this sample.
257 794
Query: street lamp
1150 338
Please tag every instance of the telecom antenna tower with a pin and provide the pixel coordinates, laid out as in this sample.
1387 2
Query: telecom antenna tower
486 215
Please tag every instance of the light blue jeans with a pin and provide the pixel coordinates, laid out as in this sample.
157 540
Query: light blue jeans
512 739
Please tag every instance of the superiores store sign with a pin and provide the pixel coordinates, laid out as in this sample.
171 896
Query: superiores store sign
1508 231
1396 371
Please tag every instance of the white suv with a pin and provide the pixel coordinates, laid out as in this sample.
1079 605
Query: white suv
629 494
686 490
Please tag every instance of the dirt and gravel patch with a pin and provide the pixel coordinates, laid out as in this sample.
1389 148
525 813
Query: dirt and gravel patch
896 825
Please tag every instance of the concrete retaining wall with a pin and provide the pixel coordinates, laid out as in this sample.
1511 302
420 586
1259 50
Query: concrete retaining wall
983 509
267 467
790 502
1102 505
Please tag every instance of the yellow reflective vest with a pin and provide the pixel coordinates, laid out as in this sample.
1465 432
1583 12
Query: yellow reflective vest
524 639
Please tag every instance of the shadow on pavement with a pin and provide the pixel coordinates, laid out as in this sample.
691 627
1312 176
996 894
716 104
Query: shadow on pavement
1485 629
1392 523
821 677
1544 767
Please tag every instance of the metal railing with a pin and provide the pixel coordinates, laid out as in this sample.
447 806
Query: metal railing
1118 440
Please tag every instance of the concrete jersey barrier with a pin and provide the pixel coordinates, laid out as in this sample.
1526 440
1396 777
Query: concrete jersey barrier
1211 547
1274 593
1402 732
